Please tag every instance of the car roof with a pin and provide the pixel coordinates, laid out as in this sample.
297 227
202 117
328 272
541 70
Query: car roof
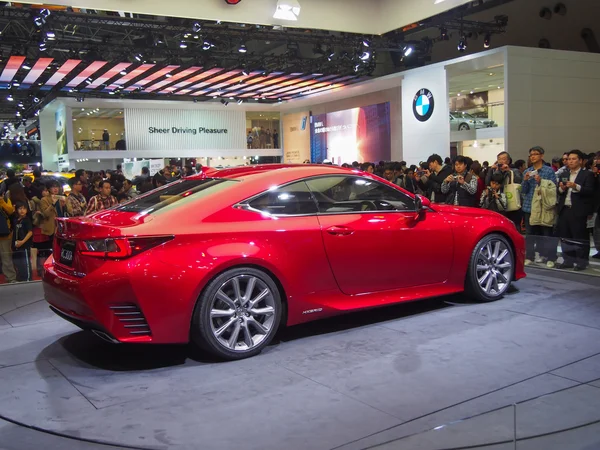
291 170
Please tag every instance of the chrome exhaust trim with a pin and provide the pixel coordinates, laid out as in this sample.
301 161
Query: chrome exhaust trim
105 337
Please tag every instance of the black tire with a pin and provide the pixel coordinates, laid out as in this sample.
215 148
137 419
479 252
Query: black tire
464 127
480 265
203 332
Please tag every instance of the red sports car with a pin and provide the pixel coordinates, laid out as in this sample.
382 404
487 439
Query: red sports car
224 259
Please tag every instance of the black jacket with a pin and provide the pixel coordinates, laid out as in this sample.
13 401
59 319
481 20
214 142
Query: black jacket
583 200
434 184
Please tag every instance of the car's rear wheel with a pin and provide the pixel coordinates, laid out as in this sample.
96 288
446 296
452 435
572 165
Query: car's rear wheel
491 269
238 314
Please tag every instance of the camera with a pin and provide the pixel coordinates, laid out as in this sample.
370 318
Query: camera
533 173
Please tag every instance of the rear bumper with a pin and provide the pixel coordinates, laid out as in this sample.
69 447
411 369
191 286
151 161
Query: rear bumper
117 304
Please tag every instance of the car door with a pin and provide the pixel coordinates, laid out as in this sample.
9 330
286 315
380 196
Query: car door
375 240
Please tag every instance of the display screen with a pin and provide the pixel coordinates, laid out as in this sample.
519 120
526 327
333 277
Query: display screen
359 134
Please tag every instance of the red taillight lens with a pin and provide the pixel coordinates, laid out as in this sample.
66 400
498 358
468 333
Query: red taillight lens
120 248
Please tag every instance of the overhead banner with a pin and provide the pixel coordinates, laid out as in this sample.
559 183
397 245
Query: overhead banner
169 130
296 137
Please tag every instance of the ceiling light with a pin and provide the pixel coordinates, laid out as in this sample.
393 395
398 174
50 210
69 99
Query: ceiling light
487 41
36 100
169 75
224 102
287 10
196 27
123 72
462 44
26 67
10 98
207 45
366 43
242 48
408 50
43 46
471 92
139 57
50 35
245 73
365 56
183 44
240 101
16 84
186 35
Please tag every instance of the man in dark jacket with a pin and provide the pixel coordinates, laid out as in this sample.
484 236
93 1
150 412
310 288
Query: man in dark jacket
433 178
576 190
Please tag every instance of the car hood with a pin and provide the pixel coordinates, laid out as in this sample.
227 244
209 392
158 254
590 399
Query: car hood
464 211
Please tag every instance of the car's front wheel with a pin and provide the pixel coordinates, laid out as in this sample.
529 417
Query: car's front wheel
491 268
464 127
238 314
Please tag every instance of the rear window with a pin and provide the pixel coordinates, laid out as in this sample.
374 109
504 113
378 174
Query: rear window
178 192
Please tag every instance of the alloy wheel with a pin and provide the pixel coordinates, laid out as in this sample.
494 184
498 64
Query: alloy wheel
242 313
494 267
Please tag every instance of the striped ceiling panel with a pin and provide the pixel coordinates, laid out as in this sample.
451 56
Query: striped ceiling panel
102 77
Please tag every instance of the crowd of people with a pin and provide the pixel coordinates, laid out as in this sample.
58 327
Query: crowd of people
554 202
557 202
30 205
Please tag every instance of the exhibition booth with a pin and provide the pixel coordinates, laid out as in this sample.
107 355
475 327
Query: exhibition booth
510 98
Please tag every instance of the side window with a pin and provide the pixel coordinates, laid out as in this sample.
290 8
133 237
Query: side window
293 199
342 194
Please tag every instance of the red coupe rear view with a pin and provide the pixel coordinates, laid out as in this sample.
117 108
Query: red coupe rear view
227 258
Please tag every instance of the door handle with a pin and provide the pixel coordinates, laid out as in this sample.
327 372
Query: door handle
340 231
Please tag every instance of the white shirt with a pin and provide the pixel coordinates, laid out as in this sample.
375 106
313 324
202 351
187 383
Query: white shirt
572 178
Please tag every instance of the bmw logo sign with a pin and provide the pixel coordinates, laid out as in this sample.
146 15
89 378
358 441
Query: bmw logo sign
423 105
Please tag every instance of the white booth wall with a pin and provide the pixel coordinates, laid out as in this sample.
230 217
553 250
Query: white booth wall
553 100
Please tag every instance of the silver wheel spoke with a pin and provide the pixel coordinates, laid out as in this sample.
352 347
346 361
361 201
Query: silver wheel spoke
496 250
266 311
488 285
488 247
249 290
258 298
256 324
247 335
483 278
503 279
221 312
235 334
480 267
224 327
502 256
225 298
505 265
236 289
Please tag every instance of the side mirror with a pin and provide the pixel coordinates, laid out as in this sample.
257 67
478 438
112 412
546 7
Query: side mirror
421 205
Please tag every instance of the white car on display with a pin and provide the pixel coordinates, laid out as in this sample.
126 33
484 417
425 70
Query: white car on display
462 121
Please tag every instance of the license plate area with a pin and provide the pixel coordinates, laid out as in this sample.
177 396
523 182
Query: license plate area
67 253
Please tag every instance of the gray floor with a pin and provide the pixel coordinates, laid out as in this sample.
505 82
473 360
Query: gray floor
437 374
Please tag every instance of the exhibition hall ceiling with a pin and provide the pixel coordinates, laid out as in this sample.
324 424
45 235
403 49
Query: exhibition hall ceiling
352 16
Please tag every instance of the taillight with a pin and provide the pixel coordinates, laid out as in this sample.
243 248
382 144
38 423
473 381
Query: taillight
120 248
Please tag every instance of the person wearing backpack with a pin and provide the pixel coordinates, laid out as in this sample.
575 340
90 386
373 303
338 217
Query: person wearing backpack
8 268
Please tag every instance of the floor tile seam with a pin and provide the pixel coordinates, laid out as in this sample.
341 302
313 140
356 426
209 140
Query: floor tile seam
49 320
21 307
342 393
580 383
72 384
475 398
22 363
553 319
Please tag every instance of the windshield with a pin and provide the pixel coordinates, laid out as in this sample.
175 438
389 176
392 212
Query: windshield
178 192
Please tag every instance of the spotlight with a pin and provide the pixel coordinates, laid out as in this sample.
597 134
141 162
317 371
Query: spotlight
487 41
50 35
242 48
123 72
365 56
408 50
169 75
10 98
240 101
366 43
444 34
331 55
245 72
88 80
186 35
43 46
16 84
196 27
224 102
207 45
287 10
36 100
462 44
139 57
26 66
183 44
